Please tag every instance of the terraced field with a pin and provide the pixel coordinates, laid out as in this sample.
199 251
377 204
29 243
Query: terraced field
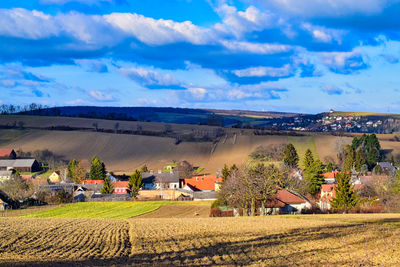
315 240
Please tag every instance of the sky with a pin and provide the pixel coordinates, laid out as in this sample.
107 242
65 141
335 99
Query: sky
267 55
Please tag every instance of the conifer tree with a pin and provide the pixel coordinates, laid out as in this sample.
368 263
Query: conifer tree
107 186
308 159
135 183
290 156
360 160
346 198
329 167
313 177
349 161
97 169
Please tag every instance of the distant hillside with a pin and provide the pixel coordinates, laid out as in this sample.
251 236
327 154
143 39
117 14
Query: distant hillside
225 118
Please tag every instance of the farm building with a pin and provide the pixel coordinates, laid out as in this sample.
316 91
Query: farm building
200 183
327 194
20 165
161 180
7 153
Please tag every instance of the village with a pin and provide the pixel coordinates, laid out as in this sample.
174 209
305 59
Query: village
178 181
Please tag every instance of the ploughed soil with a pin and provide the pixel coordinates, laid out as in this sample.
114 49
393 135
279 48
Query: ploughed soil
178 211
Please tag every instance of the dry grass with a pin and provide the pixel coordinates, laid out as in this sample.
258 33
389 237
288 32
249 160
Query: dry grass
322 240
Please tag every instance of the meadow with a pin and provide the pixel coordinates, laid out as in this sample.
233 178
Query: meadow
308 240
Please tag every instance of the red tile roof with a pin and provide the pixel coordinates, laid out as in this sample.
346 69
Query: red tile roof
284 197
330 175
202 182
92 182
120 184
5 152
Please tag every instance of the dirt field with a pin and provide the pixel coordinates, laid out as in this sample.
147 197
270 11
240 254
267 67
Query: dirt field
179 211
315 240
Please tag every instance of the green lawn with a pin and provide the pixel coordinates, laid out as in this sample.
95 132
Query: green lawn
107 210
302 143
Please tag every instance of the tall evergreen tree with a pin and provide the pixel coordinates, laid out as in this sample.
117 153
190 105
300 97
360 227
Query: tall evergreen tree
346 198
71 167
308 159
349 161
225 173
313 177
97 169
360 160
107 186
290 156
135 183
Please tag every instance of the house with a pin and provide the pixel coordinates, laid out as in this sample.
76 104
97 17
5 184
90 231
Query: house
55 177
79 194
160 180
330 177
7 153
108 197
286 202
120 187
387 167
327 194
200 183
20 165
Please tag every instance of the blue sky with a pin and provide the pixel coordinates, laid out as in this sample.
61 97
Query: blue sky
279 55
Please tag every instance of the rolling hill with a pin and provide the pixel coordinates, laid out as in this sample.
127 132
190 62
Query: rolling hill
123 153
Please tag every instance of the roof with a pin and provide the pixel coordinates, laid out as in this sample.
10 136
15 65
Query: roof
5 152
17 163
330 175
92 181
120 184
164 177
288 197
205 195
386 165
328 187
202 182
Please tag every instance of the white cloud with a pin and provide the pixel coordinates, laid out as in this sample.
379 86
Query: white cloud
159 32
100 96
197 93
264 71
22 23
343 62
147 77
255 48
240 22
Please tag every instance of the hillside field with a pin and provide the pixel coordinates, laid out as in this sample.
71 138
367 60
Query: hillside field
123 153
307 240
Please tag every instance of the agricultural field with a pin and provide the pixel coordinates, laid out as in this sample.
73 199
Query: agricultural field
308 240
117 209
109 210
123 153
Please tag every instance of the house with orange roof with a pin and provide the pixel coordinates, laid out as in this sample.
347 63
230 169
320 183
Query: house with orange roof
330 177
120 187
202 183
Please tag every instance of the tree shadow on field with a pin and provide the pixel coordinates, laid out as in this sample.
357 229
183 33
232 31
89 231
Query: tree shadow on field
238 249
